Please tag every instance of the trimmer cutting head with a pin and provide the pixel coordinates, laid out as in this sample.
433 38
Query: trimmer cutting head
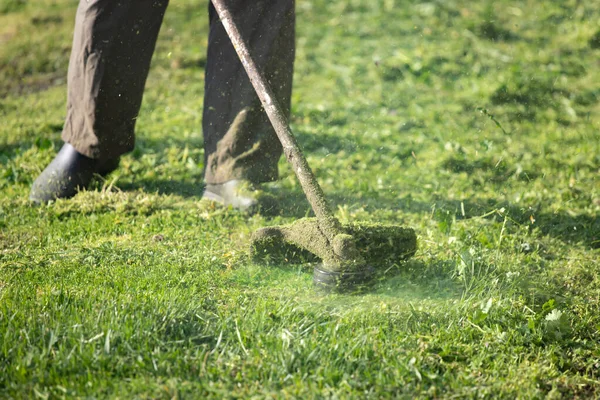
378 246
346 251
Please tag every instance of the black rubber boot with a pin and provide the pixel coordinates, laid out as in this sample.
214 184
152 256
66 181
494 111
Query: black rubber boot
241 195
68 172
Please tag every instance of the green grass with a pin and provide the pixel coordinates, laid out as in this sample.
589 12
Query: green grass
475 123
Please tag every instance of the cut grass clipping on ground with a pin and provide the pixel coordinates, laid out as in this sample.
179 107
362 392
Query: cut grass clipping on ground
474 123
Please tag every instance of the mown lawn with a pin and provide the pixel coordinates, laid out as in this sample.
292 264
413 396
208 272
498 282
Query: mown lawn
475 123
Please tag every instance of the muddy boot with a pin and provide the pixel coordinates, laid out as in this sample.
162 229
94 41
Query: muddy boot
68 172
241 195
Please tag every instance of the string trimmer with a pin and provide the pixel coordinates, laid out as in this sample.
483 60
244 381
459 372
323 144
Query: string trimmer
347 251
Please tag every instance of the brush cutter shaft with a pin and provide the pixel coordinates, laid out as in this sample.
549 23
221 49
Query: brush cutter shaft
274 111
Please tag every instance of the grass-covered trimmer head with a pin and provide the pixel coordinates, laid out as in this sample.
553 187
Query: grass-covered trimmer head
346 251
377 245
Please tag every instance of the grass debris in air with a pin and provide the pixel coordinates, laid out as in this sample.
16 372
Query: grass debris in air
136 288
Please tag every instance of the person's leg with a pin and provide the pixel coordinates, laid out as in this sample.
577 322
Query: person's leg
112 48
239 142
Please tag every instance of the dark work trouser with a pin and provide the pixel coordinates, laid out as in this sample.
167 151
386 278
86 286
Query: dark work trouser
112 48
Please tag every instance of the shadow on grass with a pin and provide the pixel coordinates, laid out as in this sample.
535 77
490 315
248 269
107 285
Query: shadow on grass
571 229
10 151
187 189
